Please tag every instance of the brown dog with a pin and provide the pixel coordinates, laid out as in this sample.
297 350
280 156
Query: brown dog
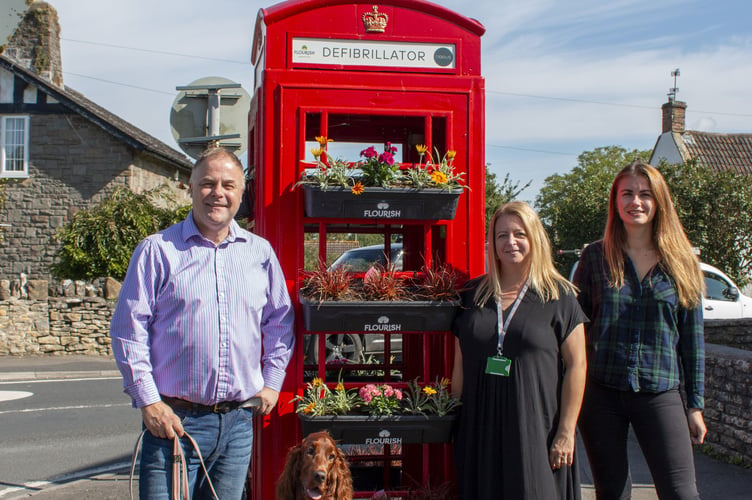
315 470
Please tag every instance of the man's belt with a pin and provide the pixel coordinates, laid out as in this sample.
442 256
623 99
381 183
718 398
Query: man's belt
221 407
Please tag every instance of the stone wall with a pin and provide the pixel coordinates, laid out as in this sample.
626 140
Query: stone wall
75 320
729 332
73 165
728 402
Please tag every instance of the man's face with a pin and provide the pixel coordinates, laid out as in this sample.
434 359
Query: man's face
216 189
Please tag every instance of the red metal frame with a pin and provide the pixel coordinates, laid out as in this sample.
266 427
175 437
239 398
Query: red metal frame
445 101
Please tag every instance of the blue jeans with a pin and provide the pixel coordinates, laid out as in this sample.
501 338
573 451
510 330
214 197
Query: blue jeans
225 441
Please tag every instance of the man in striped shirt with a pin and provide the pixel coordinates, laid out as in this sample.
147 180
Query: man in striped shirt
203 325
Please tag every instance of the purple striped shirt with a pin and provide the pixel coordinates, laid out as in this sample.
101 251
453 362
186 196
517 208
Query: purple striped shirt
193 319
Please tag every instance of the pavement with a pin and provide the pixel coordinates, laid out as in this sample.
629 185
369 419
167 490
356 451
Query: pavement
716 480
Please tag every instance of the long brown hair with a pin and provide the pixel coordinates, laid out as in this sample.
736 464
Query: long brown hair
673 246
545 280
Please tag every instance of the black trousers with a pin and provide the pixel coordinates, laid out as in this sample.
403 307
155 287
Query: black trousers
660 425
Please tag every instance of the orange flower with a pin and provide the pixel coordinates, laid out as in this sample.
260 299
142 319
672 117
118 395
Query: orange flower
317 382
357 189
317 152
309 408
322 140
451 154
421 148
340 387
438 177
429 390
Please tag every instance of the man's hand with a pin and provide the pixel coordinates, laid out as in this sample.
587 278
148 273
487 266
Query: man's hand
269 398
162 421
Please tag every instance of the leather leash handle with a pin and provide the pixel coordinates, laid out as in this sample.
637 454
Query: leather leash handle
179 469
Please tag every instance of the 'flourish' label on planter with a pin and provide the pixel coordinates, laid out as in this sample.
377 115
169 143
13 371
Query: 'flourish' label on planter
382 325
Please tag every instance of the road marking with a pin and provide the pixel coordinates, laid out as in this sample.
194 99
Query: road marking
42 381
37 486
13 395
63 408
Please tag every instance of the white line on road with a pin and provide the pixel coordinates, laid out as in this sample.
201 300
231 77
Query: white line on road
62 408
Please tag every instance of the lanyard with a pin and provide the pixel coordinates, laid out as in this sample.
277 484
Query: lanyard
503 325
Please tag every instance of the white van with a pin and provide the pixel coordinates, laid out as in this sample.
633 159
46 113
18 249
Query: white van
722 299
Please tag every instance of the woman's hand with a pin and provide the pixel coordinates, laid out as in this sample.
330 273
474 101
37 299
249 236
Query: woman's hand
697 429
562 450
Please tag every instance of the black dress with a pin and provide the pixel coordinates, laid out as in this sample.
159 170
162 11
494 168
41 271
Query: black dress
507 424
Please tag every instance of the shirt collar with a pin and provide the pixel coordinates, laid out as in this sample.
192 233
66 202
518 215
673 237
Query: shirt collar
191 231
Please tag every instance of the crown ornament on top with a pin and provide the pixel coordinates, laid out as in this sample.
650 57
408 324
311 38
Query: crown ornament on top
375 22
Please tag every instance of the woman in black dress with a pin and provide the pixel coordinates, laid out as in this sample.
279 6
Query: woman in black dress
520 374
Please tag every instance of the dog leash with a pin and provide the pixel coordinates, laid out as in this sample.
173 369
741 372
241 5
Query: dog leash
179 469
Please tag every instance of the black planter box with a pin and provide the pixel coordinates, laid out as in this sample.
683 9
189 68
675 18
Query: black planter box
381 203
396 429
378 317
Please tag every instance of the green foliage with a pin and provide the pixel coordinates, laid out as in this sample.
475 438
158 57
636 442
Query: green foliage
574 206
499 193
715 209
99 241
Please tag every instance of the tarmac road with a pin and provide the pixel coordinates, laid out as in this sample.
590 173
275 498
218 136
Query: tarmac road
716 480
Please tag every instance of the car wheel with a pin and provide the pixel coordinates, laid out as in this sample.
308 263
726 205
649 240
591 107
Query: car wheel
340 347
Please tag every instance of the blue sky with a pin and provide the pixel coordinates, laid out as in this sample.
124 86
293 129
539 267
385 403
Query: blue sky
561 77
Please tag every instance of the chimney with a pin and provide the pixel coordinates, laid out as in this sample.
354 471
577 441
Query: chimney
35 45
673 116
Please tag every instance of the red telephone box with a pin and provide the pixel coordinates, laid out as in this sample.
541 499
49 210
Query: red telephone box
402 71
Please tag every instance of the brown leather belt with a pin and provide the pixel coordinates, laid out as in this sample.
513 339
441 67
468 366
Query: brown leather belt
221 407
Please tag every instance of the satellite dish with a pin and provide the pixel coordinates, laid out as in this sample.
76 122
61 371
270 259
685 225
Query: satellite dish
210 110
11 14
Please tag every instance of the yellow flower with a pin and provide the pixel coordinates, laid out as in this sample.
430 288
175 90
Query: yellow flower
357 189
421 148
309 408
317 152
317 382
340 387
322 140
451 154
444 382
438 177
429 390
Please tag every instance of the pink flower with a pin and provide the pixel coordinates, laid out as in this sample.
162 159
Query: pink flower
370 152
386 157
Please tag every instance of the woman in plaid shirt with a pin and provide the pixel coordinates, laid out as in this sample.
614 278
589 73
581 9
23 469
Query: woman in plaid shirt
641 287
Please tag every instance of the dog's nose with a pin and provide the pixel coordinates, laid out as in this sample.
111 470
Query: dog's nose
320 476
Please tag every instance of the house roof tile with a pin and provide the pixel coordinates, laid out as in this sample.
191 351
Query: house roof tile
721 152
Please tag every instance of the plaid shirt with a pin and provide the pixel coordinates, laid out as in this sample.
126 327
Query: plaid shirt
639 335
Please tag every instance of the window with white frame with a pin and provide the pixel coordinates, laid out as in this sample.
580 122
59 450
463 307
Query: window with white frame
14 146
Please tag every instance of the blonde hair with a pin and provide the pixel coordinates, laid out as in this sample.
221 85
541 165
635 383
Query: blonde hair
673 246
545 280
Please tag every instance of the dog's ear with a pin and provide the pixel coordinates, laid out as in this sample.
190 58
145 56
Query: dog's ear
343 488
288 480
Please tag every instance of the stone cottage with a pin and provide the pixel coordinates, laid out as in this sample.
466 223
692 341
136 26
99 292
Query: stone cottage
60 152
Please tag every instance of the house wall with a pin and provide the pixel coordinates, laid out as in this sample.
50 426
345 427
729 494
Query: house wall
73 164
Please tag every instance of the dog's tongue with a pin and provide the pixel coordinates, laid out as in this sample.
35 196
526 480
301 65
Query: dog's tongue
315 493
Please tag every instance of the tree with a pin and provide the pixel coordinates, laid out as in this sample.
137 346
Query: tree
99 241
499 193
715 209
574 206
